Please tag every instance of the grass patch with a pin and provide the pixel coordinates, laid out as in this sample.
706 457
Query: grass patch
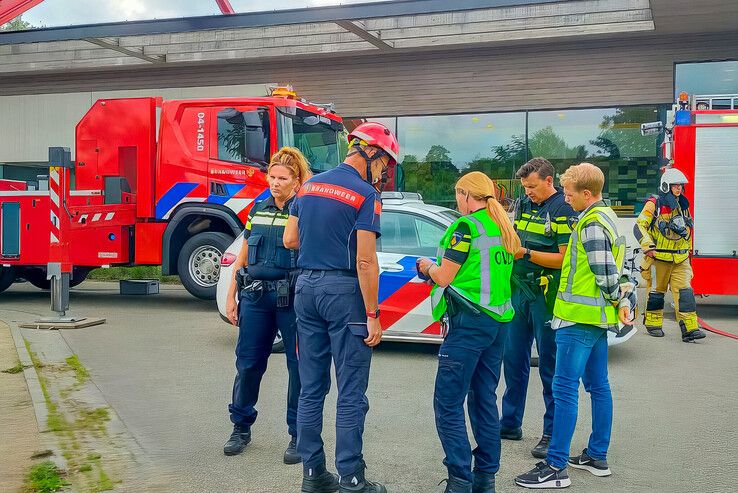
93 419
44 478
80 372
18 368
104 482
55 420
86 472
137 272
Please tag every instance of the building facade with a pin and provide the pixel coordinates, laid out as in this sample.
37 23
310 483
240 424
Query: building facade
475 103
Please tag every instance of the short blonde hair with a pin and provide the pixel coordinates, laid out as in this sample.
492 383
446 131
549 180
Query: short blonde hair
584 176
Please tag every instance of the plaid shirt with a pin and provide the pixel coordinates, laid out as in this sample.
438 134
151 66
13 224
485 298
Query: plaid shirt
615 287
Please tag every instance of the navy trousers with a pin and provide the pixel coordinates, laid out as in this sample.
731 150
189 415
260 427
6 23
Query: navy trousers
331 325
532 320
258 321
469 363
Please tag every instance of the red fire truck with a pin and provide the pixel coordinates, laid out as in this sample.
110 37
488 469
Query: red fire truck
165 183
702 142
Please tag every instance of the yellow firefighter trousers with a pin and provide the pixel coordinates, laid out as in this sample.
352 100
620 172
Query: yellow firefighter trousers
669 275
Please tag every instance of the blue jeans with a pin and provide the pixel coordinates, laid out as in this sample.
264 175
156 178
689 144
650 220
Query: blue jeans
532 321
258 321
469 363
581 354
331 325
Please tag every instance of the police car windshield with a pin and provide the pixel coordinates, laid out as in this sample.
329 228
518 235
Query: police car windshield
320 139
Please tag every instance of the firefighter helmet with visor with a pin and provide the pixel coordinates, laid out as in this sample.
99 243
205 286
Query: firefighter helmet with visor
672 176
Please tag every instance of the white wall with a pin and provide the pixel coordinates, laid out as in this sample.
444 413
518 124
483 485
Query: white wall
29 125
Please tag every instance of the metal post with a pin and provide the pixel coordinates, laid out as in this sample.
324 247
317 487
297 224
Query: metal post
59 267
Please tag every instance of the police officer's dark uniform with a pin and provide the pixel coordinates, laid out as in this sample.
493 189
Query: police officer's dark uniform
330 208
266 304
541 227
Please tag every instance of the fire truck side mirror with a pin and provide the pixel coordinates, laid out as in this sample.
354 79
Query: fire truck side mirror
60 156
652 128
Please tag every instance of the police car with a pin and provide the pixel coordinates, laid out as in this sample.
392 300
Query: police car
410 229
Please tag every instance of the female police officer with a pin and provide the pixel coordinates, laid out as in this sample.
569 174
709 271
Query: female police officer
472 295
266 301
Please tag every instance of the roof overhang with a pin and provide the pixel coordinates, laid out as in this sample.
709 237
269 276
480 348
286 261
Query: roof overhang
407 25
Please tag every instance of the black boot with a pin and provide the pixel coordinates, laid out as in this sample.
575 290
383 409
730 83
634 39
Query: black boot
357 483
458 485
511 433
318 480
540 451
290 455
655 331
690 335
240 437
484 482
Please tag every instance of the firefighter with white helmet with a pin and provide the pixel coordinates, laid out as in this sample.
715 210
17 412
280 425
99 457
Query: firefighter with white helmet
664 230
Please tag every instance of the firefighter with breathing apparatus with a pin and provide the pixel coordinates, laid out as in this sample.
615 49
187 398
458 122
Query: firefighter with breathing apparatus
664 230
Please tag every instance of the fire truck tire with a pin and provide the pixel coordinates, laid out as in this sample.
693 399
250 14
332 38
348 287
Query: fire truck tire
7 277
198 263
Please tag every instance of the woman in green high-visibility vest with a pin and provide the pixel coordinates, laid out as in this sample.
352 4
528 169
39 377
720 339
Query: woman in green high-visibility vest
472 298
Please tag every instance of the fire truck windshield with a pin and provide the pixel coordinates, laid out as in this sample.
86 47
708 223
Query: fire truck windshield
321 140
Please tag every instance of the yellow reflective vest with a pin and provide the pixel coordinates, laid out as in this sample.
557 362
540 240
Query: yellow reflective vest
579 298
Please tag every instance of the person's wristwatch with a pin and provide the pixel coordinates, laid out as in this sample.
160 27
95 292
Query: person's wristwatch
373 313
526 255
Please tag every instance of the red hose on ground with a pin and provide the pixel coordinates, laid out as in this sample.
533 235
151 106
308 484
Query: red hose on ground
716 331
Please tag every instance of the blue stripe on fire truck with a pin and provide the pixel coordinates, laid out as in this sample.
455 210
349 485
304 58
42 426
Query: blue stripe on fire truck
171 198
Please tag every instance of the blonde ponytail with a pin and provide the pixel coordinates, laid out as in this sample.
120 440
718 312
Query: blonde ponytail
480 187
292 159
510 239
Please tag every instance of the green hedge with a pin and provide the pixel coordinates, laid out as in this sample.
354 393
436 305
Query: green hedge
138 272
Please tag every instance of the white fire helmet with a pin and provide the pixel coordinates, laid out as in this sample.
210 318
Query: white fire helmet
672 176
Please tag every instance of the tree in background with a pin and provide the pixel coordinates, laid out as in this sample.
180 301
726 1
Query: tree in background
17 24
621 134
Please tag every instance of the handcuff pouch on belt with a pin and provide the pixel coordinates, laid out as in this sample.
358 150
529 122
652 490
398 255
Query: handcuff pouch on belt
282 287
531 285
243 279
455 304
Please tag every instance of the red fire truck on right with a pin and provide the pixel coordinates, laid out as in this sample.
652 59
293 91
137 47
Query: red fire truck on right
701 141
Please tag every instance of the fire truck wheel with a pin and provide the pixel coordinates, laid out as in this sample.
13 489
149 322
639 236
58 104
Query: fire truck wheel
7 277
199 263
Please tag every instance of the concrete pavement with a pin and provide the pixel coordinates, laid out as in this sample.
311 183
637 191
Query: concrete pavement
165 364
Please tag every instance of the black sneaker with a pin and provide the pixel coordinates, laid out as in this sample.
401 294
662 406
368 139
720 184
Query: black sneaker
544 476
364 487
290 455
351 484
240 437
595 466
511 433
325 482
540 451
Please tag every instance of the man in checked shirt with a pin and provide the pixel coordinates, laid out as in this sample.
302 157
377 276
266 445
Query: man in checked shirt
592 298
